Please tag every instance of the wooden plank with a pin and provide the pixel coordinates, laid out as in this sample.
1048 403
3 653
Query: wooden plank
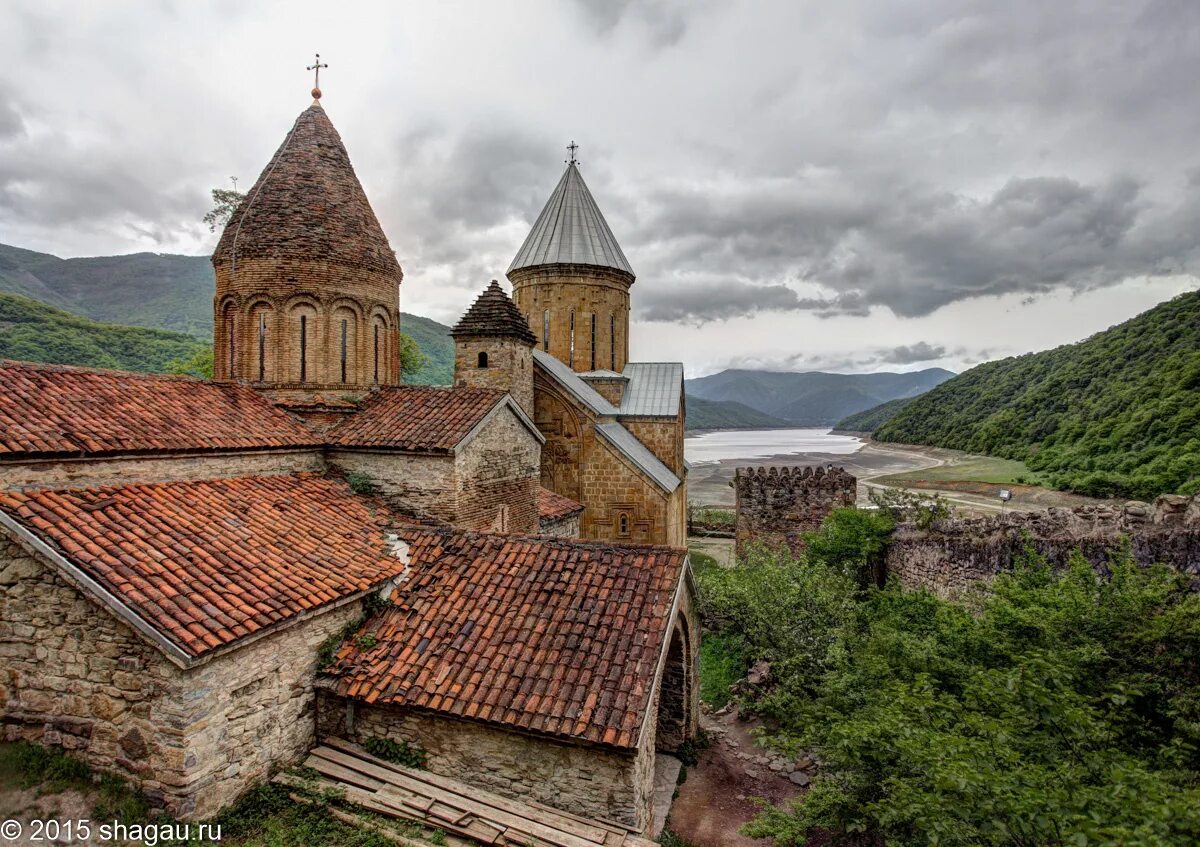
406 780
343 774
554 818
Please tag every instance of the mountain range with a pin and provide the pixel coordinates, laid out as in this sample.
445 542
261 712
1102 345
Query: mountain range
813 398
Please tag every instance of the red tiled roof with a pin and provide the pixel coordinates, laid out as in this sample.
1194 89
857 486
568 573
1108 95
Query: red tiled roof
308 204
416 418
552 636
208 563
60 410
553 507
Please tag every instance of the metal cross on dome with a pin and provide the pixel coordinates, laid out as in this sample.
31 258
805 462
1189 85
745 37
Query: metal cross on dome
571 148
316 67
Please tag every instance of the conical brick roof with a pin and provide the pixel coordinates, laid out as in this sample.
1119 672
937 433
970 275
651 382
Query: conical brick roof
571 230
308 204
495 315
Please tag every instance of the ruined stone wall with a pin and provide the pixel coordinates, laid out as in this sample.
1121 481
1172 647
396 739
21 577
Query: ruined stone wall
497 475
957 553
417 482
584 780
81 473
778 505
74 675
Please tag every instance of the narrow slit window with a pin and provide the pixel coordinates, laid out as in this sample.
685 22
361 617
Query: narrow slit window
612 341
546 330
571 349
482 361
229 335
593 341
344 330
376 354
304 348
262 347
623 524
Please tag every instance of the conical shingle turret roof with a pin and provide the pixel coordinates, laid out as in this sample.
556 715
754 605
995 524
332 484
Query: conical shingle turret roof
571 230
308 204
495 315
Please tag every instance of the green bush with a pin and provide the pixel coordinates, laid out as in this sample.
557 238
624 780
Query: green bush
1056 709
402 753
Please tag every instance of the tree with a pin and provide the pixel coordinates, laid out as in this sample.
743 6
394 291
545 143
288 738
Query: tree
411 357
199 364
225 203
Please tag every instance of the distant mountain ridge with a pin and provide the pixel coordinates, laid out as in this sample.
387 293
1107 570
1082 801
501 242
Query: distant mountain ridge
812 398
727 414
1115 415
874 417
164 291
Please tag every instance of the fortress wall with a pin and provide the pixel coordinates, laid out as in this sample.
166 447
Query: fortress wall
954 554
778 505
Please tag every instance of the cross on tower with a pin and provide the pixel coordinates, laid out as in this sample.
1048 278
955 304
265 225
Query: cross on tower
316 68
571 148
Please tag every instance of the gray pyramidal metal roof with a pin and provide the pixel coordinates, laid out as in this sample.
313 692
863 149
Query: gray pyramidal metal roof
571 230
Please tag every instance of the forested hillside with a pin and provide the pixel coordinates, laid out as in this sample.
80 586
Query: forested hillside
35 332
873 418
727 414
1117 415
164 291
813 398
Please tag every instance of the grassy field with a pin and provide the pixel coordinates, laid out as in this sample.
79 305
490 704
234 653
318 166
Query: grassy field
968 468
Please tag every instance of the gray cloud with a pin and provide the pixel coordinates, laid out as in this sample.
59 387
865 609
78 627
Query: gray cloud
907 354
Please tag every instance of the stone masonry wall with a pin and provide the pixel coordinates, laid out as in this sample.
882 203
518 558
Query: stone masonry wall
509 367
81 473
663 437
583 780
567 527
957 553
585 291
778 505
424 483
497 475
74 675
612 489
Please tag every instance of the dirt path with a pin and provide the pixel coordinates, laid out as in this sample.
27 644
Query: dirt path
717 798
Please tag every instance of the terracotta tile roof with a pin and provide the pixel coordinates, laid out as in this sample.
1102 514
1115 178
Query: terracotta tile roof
308 204
60 410
208 563
553 507
416 418
494 314
551 636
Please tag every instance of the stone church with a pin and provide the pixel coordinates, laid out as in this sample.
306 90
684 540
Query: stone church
200 579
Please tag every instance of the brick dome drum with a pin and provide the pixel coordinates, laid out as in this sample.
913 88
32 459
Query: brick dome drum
307 293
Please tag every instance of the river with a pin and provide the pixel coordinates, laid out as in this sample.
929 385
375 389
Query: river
726 445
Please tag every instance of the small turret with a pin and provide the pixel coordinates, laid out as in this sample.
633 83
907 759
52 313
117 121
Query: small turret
493 347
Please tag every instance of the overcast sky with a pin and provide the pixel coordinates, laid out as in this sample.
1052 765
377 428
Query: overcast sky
859 185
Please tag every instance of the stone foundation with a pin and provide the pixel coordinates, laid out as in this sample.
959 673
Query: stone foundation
589 781
73 675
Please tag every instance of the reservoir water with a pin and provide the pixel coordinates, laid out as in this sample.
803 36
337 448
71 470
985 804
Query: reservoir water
763 443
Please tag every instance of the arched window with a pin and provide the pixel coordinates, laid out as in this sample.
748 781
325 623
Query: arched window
623 523
376 377
346 327
261 321
230 342
482 362
304 348
612 341
546 330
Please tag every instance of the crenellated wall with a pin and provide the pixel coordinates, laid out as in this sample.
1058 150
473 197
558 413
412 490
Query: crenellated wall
778 505
954 554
